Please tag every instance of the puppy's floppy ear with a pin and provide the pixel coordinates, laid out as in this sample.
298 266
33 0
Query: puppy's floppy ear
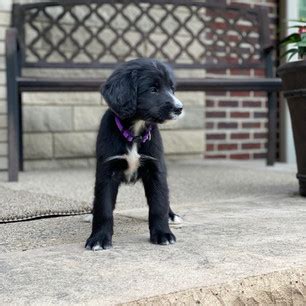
120 93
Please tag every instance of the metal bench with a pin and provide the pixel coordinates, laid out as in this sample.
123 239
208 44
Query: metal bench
100 34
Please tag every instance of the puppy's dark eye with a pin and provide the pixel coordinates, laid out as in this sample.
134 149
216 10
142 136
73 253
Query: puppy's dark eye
172 87
154 90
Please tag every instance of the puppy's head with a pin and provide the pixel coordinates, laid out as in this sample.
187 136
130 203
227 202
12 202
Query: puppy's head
143 89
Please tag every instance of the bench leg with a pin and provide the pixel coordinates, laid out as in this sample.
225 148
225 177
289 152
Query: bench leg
13 105
13 133
272 127
20 134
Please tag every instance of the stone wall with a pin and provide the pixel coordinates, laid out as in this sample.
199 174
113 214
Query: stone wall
4 22
60 128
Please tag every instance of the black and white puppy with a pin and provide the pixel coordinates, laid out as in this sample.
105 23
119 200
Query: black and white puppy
140 95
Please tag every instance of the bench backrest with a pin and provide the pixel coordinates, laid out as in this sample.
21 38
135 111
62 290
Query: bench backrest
100 34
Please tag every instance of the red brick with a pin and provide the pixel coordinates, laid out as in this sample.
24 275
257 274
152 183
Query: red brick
215 114
244 72
260 94
260 135
217 156
251 103
227 125
216 71
240 94
240 136
215 136
260 114
210 147
209 125
251 125
226 103
259 72
246 146
240 156
240 115
210 103
259 155
227 146
241 5
215 93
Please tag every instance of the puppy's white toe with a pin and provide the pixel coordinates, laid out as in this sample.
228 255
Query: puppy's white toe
88 218
97 247
176 220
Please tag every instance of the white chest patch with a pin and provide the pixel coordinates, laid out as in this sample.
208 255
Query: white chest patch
133 159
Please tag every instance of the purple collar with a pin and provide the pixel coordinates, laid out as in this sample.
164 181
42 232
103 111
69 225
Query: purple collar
129 136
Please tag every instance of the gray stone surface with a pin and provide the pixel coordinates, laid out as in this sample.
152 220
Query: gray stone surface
183 141
38 145
193 119
3 163
81 144
68 98
3 135
88 118
47 118
3 149
242 242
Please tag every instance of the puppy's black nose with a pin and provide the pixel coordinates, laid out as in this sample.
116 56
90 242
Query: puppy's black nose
178 110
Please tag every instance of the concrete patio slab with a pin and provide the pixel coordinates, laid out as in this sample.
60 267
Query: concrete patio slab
247 249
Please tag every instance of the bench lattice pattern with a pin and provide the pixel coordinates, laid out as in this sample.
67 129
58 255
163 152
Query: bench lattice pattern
101 34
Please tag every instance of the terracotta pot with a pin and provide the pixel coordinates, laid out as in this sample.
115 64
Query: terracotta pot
294 85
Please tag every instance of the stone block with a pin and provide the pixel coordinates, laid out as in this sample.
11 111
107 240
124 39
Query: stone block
191 98
193 119
183 142
2 92
47 118
5 6
3 163
87 118
5 17
2 47
74 144
74 73
2 62
56 163
3 135
63 98
38 146
2 78
190 73
2 30
3 149
3 121
3 107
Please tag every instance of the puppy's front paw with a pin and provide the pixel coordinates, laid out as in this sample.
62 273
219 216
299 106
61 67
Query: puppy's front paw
99 241
162 238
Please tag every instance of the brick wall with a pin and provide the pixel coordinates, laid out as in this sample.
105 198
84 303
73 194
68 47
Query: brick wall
236 122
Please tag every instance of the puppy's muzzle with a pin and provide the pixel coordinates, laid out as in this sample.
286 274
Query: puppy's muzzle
177 105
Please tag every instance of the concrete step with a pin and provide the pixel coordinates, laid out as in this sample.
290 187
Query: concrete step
220 247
